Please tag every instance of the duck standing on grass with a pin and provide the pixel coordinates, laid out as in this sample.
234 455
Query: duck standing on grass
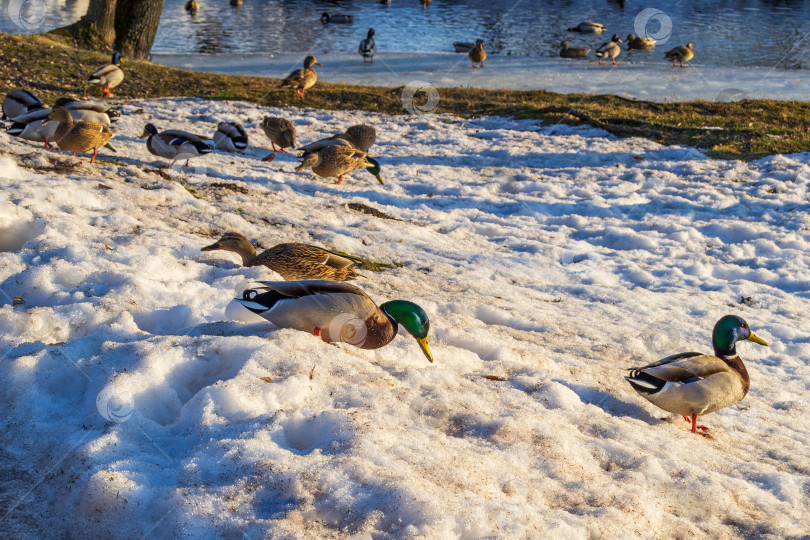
110 75
302 80
280 131
81 136
681 54
292 261
368 48
693 384
477 53
609 50
336 312
175 144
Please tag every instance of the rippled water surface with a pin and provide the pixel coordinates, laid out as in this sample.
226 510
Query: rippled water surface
736 32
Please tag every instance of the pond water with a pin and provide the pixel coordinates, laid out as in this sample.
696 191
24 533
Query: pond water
767 33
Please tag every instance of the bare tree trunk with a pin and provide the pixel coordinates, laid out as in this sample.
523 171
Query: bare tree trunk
136 24
96 30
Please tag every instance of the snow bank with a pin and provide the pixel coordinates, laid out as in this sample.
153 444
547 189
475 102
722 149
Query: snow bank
548 258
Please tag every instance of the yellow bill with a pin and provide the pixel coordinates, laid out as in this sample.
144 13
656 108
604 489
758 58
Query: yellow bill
423 344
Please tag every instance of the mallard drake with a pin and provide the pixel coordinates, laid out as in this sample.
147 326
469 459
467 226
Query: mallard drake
280 131
110 75
642 43
292 261
681 54
360 136
337 311
18 102
338 18
573 52
31 126
302 80
175 144
588 27
693 384
477 53
192 7
81 136
368 48
230 137
609 50
91 111
334 161
236 3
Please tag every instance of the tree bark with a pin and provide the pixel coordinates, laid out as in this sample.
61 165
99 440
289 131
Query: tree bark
96 30
136 24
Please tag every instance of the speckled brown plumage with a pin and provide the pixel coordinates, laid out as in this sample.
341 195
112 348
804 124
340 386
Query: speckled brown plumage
302 80
80 136
292 261
335 161
362 136
280 131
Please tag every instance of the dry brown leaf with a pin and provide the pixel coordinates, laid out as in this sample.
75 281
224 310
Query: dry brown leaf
266 379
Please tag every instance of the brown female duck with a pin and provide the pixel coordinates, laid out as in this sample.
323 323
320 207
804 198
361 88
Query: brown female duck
292 261
81 136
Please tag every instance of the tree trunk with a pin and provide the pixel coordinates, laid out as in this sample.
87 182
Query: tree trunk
136 24
96 30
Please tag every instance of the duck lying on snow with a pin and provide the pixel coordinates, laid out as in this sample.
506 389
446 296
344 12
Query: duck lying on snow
292 261
337 311
230 137
175 144
19 102
692 384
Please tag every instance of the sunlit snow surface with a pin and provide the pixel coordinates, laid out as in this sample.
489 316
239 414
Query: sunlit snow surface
646 80
551 257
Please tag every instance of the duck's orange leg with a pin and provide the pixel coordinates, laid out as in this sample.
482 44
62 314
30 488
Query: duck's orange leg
696 427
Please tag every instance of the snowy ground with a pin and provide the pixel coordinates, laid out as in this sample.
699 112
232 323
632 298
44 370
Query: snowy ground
646 80
551 257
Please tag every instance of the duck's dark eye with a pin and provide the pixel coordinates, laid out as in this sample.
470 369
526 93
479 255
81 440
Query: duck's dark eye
249 294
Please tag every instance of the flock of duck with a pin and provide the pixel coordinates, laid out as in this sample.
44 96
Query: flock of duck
315 297
610 50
